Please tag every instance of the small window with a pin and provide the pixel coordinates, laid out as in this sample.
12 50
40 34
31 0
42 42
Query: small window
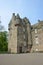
24 43
42 27
36 49
24 36
36 40
36 31
23 29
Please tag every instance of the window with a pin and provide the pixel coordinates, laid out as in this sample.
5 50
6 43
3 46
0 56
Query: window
24 43
36 49
42 27
36 31
24 37
36 40
23 29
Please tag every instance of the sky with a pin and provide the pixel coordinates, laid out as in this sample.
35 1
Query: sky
32 9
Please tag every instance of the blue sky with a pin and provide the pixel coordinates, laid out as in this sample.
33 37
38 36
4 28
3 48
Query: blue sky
32 9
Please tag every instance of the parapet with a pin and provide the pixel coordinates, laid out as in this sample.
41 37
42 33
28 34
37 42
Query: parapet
17 16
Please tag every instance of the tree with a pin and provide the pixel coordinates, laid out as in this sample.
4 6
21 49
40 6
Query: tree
1 26
3 41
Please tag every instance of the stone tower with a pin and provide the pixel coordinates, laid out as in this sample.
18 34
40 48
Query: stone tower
19 35
29 35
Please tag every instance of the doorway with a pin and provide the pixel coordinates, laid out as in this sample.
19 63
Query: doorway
20 49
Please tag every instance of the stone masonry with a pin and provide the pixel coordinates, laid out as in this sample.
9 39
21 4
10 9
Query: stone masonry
24 37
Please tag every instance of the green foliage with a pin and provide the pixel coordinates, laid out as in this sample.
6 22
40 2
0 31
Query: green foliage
3 41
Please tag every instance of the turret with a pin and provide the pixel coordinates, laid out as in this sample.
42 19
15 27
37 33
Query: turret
17 22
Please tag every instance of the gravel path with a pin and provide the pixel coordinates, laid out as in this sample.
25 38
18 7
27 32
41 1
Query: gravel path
21 59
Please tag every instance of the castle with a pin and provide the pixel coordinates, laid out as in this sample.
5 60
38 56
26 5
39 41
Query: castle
24 37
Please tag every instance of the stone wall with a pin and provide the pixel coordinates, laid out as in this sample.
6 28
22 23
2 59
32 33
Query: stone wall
19 35
37 37
24 37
